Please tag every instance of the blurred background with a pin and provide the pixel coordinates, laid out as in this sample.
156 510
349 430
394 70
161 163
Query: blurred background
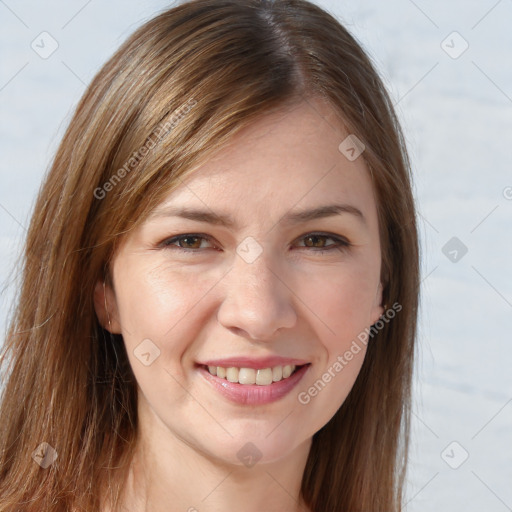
448 68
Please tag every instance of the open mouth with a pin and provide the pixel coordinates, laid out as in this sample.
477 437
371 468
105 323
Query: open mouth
251 376
253 386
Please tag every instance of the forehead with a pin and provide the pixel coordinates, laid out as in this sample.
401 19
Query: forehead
282 160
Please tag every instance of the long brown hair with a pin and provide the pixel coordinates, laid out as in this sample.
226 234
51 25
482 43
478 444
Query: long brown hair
181 86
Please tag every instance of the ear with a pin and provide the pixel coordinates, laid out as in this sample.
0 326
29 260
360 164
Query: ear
105 305
377 308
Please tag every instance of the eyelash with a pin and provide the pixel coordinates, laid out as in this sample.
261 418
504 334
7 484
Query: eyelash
341 243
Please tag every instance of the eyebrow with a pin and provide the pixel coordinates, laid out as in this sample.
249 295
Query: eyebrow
290 218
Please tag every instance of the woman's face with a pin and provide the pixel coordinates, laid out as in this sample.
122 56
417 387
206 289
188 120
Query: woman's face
245 284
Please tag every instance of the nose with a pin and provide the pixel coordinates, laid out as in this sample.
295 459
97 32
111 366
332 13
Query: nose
257 301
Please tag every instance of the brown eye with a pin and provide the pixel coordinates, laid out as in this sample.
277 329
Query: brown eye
319 242
315 241
190 242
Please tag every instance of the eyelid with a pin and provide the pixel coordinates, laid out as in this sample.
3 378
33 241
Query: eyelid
342 243
168 241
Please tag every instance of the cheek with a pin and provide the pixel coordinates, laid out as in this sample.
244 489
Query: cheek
343 300
326 391
163 308
160 304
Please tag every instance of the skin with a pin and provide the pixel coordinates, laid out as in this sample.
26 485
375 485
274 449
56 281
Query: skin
292 301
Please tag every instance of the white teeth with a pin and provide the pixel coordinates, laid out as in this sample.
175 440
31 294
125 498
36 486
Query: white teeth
277 373
232 374
287 371
262 377
247 376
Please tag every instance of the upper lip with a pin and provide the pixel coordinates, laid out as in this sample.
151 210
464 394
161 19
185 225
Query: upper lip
255 363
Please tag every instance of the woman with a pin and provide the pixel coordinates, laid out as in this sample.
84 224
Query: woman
220 283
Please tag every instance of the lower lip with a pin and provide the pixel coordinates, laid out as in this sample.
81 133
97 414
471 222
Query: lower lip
254 394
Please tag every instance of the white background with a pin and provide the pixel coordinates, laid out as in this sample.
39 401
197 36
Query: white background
457 115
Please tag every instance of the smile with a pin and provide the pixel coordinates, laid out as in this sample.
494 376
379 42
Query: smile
253 386
249 376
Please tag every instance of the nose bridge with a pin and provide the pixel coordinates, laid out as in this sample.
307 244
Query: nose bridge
256 299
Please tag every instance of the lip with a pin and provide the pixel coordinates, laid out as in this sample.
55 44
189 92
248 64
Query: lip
254 363
254 394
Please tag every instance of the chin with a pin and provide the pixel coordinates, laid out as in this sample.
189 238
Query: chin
246 450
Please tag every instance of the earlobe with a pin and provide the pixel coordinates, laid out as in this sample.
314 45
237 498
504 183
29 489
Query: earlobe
105 306
378 309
